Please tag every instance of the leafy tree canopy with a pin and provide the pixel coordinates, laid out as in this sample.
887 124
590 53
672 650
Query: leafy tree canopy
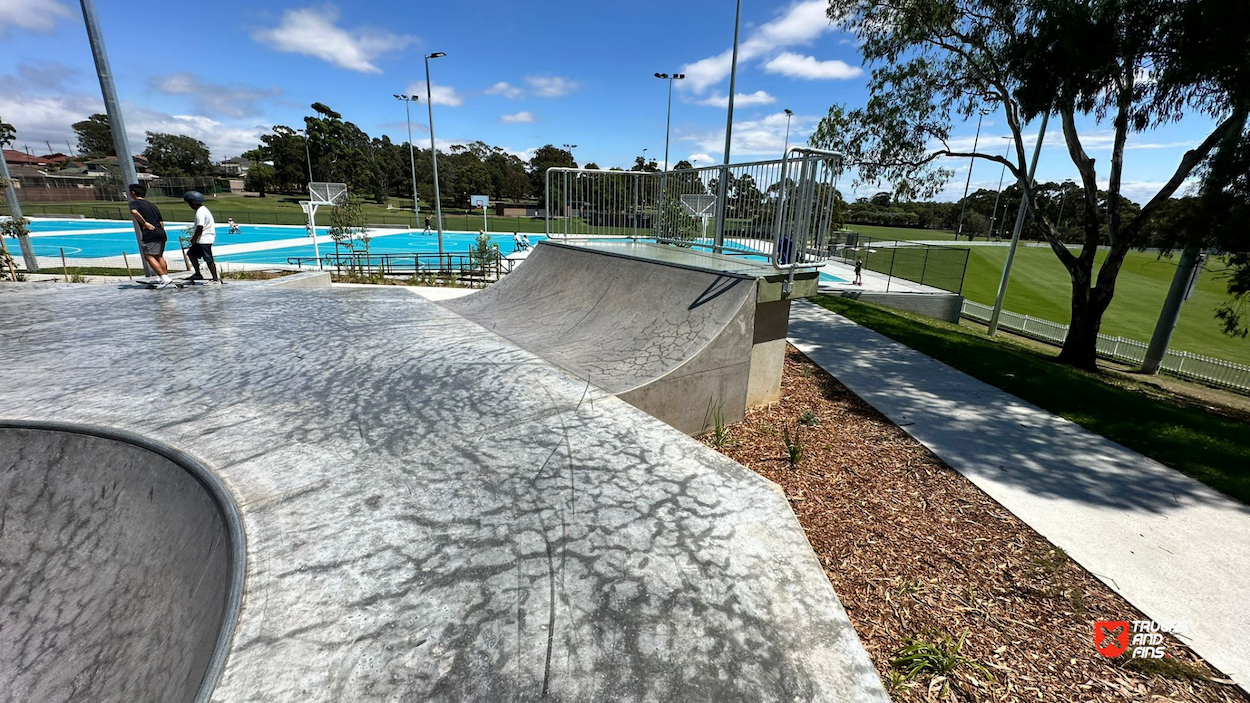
95 136
177 155
1134 64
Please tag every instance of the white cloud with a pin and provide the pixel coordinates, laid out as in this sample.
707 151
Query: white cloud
518 118
231 101
505 89
759 97
807 67
223 140
33 15
802 23
697 159
314 32
755 137
440 95
39 118
550 86
40 76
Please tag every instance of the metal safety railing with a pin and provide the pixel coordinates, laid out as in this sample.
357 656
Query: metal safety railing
780 210
463 266
1197 367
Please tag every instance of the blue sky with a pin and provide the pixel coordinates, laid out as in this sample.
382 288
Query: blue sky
516 75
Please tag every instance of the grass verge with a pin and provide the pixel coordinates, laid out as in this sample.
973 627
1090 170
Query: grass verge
1202 445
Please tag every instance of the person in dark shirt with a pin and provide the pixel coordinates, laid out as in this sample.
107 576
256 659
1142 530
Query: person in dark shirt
152 226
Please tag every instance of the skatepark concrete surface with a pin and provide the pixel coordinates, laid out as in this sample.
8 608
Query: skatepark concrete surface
430 513
1174 548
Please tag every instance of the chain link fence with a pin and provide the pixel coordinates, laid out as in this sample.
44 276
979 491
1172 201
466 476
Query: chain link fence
941 267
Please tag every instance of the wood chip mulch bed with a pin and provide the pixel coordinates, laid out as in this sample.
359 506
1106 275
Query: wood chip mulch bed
914 550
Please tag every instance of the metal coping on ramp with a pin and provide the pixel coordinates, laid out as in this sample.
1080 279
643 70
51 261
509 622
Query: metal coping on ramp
669 255
217 492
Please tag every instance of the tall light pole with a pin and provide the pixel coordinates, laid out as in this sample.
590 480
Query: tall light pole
112 106
723 189
1001 173
571 147
15 211
1026 181
1063 201
786 148
429 103
668 122
644 158
412 157
307 152
971 162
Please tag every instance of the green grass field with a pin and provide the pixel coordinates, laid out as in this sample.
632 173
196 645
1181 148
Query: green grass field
1040 287
1201 444
903 233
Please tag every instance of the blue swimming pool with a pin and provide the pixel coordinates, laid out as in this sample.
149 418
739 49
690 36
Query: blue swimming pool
105 238
38 226
402 243
261 244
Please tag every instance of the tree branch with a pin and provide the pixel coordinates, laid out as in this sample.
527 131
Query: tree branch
1117 153
1089 181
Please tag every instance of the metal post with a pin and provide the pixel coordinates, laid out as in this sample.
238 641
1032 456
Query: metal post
994 216
786 147
15 211
964 205
307 153
1182 284
723 190
1015 233
112 106
412 158
429 103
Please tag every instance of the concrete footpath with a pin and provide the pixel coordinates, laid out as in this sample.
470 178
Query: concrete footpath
1171 546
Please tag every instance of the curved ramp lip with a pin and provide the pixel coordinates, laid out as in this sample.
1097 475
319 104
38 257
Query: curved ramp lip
225 502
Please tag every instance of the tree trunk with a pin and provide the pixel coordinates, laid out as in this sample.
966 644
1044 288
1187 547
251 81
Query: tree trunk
1080 349
1089 303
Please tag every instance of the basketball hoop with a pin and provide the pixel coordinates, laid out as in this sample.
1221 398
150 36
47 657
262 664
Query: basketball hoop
320 193
700 206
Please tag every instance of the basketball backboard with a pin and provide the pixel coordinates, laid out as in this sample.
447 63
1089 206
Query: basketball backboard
323 193
482 201
698 205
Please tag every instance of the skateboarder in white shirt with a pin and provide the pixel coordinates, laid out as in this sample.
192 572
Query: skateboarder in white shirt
202 240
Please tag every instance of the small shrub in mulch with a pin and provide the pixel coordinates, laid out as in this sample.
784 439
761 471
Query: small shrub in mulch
953 596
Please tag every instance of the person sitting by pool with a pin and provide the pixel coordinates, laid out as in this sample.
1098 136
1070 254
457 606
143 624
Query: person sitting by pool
232 227
525 241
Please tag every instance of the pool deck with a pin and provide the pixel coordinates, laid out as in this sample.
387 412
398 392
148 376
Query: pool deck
432 513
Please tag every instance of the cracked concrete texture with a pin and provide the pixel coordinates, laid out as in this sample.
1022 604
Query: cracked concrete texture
435 514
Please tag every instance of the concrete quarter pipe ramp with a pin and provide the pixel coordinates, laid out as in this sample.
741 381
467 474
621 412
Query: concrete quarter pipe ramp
673 340
117 571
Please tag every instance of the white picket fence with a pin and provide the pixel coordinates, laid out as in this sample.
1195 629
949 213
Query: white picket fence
1216 372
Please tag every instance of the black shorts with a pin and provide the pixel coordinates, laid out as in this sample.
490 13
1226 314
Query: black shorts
153 248
201 251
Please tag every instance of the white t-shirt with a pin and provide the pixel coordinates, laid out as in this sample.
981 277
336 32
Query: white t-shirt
204 218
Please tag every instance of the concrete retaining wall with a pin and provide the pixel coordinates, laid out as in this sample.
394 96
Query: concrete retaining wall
938 305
